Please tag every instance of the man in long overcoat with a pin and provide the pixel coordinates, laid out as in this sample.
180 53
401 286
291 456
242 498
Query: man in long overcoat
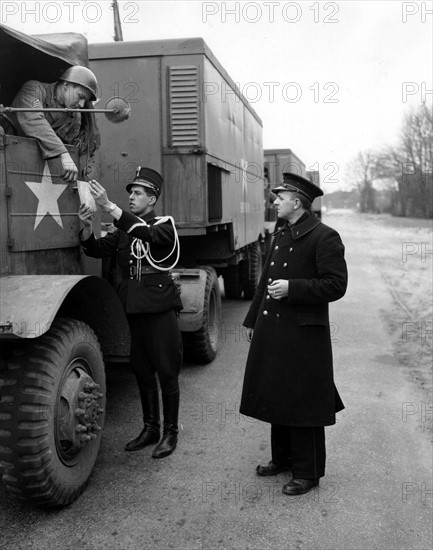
289 378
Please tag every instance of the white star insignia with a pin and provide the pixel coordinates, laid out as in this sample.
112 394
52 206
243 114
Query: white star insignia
47 193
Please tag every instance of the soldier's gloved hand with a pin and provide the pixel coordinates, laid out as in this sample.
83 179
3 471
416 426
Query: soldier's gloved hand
70 171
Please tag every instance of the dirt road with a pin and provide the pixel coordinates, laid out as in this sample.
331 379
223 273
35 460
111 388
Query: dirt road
377 490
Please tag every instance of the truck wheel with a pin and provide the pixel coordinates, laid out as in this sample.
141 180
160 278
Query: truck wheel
52 398
266 247
232 282
202 345
251 270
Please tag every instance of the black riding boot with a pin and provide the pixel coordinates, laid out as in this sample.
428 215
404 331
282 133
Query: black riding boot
167 445
150 432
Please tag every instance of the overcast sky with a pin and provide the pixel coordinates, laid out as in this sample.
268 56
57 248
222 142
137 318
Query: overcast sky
328 79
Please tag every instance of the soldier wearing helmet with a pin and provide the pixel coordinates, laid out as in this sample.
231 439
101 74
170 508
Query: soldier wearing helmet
75 89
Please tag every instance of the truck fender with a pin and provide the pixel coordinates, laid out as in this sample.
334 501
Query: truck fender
193 283
30 303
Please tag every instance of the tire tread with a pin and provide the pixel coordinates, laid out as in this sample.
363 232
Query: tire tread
23 456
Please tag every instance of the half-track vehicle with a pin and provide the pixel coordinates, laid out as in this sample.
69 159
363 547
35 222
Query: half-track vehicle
60 319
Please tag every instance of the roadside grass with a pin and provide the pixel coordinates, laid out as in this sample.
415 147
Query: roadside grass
404 252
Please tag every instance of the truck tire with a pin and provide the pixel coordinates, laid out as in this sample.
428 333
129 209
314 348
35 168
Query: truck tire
266 246
202 345
52 397
232 282
251 270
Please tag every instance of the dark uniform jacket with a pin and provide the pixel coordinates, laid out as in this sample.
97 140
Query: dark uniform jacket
289 372
156 291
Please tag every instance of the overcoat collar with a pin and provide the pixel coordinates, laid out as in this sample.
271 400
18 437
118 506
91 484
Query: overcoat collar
306 223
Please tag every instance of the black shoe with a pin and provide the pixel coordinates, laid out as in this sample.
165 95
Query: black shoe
300 486
148 435
271 469
166 446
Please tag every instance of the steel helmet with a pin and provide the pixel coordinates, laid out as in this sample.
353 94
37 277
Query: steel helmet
82 76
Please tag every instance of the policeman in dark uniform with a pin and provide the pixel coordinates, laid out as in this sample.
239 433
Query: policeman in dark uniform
289 373
146 248
75 89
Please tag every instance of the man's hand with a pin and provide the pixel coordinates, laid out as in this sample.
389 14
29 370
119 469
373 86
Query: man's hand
70 171
85 213
86 216
279 289
99 194
250 332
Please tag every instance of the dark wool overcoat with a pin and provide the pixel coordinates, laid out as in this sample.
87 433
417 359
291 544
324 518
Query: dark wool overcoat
289 373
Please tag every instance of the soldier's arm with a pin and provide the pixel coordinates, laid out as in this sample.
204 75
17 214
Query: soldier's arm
34 124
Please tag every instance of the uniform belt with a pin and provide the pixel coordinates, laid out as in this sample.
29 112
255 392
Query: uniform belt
145 270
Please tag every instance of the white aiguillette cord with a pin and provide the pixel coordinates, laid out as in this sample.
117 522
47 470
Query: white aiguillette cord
141 250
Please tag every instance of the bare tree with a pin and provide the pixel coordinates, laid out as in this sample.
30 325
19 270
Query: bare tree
410 165
363 170
413 162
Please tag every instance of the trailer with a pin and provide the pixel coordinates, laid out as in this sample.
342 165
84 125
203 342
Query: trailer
314 177
60 319
278 161
191 123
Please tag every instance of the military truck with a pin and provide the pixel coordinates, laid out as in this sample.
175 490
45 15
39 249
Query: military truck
316 207
278 161
60 318
192 124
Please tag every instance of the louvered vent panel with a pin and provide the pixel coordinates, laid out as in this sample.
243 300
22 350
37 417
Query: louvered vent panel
184 106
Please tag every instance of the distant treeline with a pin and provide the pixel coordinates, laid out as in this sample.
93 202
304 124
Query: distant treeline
398 179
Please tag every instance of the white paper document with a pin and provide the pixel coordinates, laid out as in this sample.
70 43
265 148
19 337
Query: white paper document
85 195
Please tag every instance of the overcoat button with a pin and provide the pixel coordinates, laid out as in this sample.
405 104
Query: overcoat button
265 312
267 297
269 280
272 263
285 264
282 232
131 261
290 249
160 286
278 315
276 248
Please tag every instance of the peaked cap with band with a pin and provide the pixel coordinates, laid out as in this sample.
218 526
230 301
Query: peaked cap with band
299 184
147 177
